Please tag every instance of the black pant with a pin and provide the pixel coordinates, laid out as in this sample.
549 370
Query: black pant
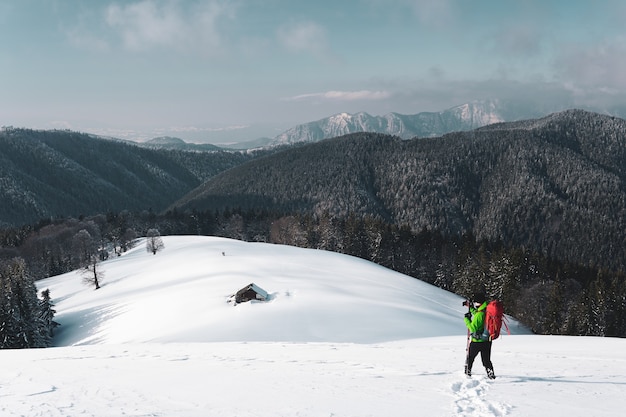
484 348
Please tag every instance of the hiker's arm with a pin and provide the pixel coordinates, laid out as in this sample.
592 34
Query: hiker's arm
476 323
468 316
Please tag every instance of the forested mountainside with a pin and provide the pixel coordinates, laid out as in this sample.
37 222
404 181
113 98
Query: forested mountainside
531 212
46 174
555 185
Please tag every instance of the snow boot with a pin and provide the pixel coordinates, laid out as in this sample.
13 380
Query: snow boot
490 373
468 372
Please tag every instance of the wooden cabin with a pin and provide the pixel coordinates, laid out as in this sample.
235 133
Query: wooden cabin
251 292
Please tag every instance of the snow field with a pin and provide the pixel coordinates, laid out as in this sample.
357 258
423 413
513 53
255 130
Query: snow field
339 337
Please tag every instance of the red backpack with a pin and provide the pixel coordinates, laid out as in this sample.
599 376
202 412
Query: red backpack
494 318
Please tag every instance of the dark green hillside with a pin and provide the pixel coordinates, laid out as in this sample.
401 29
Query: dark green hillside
328 176
555 185
60 173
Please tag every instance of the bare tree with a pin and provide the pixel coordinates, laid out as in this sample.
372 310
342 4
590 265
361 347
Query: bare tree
93 274
154 243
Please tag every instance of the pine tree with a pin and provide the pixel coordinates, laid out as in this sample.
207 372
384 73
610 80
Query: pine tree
598 300
46 314
20 326
554 317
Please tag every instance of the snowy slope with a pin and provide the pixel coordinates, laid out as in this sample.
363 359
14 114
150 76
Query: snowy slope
339 337
180 295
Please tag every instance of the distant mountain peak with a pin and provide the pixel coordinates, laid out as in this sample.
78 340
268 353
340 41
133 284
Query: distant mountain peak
466 116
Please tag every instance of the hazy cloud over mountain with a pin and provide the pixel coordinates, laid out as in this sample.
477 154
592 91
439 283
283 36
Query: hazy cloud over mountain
144 65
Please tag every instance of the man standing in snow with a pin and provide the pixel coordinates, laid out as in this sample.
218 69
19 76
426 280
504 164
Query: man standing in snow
475 322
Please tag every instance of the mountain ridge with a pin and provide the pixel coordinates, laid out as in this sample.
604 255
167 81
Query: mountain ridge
528 183
550 181
46 174
463 117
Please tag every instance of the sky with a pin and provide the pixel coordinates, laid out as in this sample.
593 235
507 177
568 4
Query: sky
339 336
205 70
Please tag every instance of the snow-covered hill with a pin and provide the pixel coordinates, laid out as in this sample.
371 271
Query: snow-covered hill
180 295
339 336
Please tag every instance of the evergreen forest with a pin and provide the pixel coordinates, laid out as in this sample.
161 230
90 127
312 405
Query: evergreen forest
533 212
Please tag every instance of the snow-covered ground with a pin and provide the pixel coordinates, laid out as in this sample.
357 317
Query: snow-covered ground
339 337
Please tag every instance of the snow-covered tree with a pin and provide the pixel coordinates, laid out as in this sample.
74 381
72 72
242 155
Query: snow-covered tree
84 246
46 314
154 243
20 326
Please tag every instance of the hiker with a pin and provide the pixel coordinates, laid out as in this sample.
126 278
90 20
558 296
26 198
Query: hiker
475 322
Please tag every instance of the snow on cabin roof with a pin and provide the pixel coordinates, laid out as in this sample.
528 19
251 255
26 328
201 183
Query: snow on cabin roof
256 289
250 292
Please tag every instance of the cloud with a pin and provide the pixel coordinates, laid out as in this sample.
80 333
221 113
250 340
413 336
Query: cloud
307 37
144 23
82 39
343 95
518 40
596 66
438 13
195 129
147 24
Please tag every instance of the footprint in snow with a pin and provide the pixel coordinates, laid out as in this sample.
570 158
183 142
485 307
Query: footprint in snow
471 400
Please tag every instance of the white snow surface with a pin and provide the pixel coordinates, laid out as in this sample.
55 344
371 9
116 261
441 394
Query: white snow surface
339 337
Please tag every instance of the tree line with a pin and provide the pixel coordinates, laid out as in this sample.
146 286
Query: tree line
547 295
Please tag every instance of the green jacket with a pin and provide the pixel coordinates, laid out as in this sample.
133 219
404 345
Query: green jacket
476 325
